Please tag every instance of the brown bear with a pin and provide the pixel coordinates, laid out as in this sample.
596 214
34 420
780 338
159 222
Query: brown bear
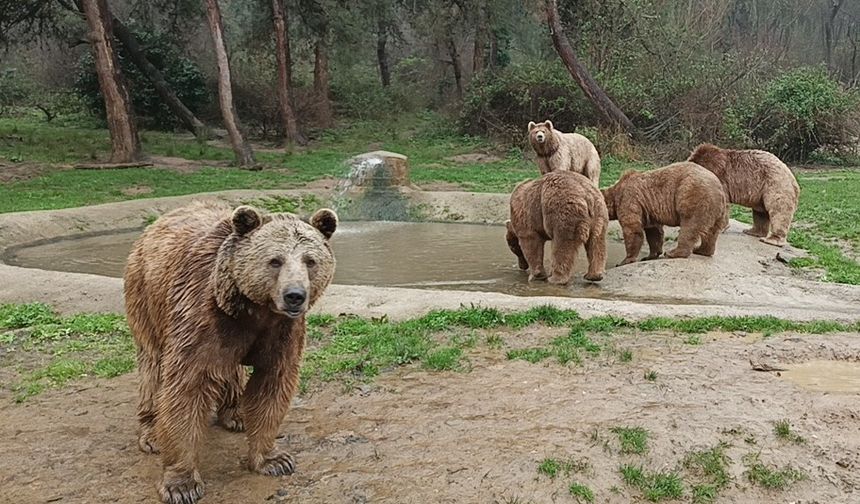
563 207
557 151
681 194
208 291
758 180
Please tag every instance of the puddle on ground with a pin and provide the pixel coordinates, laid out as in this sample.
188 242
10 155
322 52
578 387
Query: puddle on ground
826 376
425 255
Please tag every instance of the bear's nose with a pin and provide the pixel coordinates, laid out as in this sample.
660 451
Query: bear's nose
295 297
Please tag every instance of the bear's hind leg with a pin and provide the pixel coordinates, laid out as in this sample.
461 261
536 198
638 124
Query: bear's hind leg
655 237
563 256
688 239
185 402
533 251
595 249
781 211
709 240
149 372
228 411
761 222
265 402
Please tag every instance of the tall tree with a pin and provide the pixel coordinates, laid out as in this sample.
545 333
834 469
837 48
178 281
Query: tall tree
382 29
322 88
598 97
282 54
480 38
241 148
125 143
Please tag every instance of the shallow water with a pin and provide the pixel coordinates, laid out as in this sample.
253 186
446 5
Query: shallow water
826 376
390 254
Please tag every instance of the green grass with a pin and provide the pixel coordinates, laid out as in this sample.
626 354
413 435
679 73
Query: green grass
710 471
783 431
650 375
14 316
768 477
655 487
634 440
553 467
581 492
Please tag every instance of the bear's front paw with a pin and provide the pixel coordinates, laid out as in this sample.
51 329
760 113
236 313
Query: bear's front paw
772 240
276 464
231 420
651 257
755 232
628 260
540 275
180 488
558 280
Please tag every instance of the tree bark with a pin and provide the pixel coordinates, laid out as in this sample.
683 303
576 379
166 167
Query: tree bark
480 41
125 144
381 52
325 115
835 5
455 63
188 119
241 148
583 78
282 54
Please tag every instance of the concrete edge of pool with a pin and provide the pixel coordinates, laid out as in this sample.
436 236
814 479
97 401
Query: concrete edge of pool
73 292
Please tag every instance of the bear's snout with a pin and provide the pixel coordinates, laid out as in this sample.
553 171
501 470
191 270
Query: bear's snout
294 300
540 136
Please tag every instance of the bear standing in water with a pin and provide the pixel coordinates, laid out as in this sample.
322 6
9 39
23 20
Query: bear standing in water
563 207
758 180
557 151
207 292
681 194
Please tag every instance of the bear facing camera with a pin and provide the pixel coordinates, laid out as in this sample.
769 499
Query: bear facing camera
209 290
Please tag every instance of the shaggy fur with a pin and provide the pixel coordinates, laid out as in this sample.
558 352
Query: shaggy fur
758 180
563 207
557 151
681 194
208 291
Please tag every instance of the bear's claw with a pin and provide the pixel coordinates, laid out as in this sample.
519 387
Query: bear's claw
181 490
279 464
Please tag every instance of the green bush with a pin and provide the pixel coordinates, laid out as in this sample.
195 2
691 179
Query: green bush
795 115
183 76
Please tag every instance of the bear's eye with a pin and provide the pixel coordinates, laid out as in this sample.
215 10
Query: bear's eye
309 262
276 262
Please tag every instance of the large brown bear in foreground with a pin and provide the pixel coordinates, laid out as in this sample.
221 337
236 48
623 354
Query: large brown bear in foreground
207 291
758 180
681 194
557 151
563 207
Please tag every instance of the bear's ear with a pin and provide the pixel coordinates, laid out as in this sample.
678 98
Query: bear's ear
532 125
325 220
548 124
509 226
246 219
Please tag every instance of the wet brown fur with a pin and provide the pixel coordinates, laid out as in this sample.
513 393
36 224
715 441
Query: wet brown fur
758 180
564 151
682 194
563 207
199 299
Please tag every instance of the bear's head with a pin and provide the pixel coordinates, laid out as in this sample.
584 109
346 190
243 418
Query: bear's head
542 138
277 261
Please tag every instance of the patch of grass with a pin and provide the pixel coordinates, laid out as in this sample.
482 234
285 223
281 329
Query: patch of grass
651 375
532 355
581 492
625 355
553 467
693 339
16 316
285 204
495 341
763 324
545 314
444 359
783 431
633 439
771 478
710 470
655 487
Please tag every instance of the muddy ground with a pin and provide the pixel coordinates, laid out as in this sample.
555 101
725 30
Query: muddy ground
414 436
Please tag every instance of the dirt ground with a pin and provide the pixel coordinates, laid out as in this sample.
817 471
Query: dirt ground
414 436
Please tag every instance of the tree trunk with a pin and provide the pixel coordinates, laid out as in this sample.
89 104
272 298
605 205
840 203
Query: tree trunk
480 41
583 78
241 148
835 5
455 63
125 144
282 48
381 53
188 119
494 50
325 115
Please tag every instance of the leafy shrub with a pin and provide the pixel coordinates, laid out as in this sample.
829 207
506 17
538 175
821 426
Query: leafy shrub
796 114
183 76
